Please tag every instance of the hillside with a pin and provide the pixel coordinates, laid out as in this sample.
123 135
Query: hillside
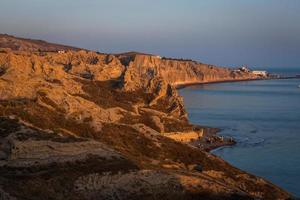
82 125
23 44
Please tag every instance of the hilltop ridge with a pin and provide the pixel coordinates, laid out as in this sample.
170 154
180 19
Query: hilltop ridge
24 44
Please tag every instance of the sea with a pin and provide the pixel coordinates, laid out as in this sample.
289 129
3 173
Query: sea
262 116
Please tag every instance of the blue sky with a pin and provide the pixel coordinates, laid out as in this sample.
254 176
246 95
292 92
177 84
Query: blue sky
260 33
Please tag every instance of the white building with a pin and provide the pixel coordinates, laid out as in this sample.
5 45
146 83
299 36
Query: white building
260 73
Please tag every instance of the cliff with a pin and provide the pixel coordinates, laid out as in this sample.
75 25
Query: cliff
182 72
82 125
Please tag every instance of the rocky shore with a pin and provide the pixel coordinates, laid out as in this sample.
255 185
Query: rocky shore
84 125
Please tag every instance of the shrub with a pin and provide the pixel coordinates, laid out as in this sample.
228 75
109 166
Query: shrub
2 70
4 64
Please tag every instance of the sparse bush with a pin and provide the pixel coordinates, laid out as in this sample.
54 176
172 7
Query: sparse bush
2 70
88 75
92 58
4 64
178 59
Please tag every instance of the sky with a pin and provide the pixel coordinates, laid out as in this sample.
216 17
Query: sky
257 33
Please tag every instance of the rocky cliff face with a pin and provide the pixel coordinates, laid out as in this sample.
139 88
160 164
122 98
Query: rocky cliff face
82 125
160 76
181 72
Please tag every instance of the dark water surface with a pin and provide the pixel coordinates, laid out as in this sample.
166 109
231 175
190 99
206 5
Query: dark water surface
262 116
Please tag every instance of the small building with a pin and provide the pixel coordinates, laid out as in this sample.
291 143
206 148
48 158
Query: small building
61 52
260 73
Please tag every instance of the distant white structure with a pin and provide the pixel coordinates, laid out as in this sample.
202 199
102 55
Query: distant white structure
260 73
244 69
61 52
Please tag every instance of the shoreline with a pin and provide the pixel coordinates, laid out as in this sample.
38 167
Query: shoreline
211 140
213 132
227 152
184 85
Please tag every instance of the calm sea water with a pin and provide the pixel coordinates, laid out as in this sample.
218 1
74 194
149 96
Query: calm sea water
263 117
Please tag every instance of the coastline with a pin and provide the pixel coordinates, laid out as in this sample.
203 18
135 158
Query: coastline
184 85
118 129
253 136
211 140
217 140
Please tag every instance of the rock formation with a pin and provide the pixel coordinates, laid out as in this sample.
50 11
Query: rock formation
181 72
84 125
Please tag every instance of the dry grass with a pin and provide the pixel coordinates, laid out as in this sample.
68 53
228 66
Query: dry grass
108 94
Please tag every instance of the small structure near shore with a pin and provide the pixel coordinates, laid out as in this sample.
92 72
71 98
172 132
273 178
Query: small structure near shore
242 69
260 73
